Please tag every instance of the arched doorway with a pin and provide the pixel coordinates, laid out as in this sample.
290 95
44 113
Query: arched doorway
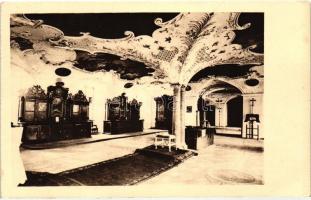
222 105
235 112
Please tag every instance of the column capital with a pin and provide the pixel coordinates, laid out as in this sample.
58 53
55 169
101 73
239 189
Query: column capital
175 84
182 86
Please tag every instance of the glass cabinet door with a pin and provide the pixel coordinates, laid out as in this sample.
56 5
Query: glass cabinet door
29 111
41 111
75 110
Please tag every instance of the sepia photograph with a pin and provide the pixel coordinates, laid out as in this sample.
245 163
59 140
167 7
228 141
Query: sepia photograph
138 98
153 101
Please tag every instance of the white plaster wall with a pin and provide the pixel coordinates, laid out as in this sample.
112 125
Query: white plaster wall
190 100
27 72
98 85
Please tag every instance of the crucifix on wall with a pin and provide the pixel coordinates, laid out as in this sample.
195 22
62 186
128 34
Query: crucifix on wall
252 103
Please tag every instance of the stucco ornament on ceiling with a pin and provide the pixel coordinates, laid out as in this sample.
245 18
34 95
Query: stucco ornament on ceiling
176 51
213 84
30 43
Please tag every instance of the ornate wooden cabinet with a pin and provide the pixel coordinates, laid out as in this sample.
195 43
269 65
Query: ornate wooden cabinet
57 99
34 115
164 108
56 115
80 107
123 116
34 105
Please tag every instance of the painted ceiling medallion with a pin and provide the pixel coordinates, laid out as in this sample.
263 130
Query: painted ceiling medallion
252 82
62 71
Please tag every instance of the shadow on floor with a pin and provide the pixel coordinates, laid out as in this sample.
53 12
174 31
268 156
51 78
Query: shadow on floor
127 170
248 148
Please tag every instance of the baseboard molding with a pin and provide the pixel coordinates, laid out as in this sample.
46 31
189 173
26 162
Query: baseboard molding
229 135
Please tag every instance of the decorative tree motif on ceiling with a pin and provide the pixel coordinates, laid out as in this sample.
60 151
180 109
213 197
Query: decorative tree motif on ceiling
176 51
214 46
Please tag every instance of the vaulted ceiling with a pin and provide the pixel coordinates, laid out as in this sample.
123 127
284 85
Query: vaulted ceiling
174 50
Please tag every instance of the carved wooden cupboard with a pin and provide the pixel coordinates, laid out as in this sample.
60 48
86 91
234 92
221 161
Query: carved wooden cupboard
122 116
56 115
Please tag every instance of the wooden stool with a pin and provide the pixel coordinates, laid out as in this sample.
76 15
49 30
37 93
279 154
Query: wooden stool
165 138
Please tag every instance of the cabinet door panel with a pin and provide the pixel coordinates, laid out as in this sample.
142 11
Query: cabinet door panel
75 110
41 116
29 106
29 116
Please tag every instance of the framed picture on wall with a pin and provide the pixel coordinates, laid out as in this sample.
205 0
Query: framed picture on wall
189 109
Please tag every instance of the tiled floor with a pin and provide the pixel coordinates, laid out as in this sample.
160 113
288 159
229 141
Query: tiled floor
229 161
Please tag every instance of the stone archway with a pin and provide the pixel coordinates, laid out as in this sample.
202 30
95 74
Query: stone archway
220 94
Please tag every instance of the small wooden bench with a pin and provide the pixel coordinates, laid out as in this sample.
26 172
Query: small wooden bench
165 139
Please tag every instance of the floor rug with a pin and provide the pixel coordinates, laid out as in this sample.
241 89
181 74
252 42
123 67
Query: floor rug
127 170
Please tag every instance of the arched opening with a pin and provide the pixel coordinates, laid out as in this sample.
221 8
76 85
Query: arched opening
220 105
235 112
